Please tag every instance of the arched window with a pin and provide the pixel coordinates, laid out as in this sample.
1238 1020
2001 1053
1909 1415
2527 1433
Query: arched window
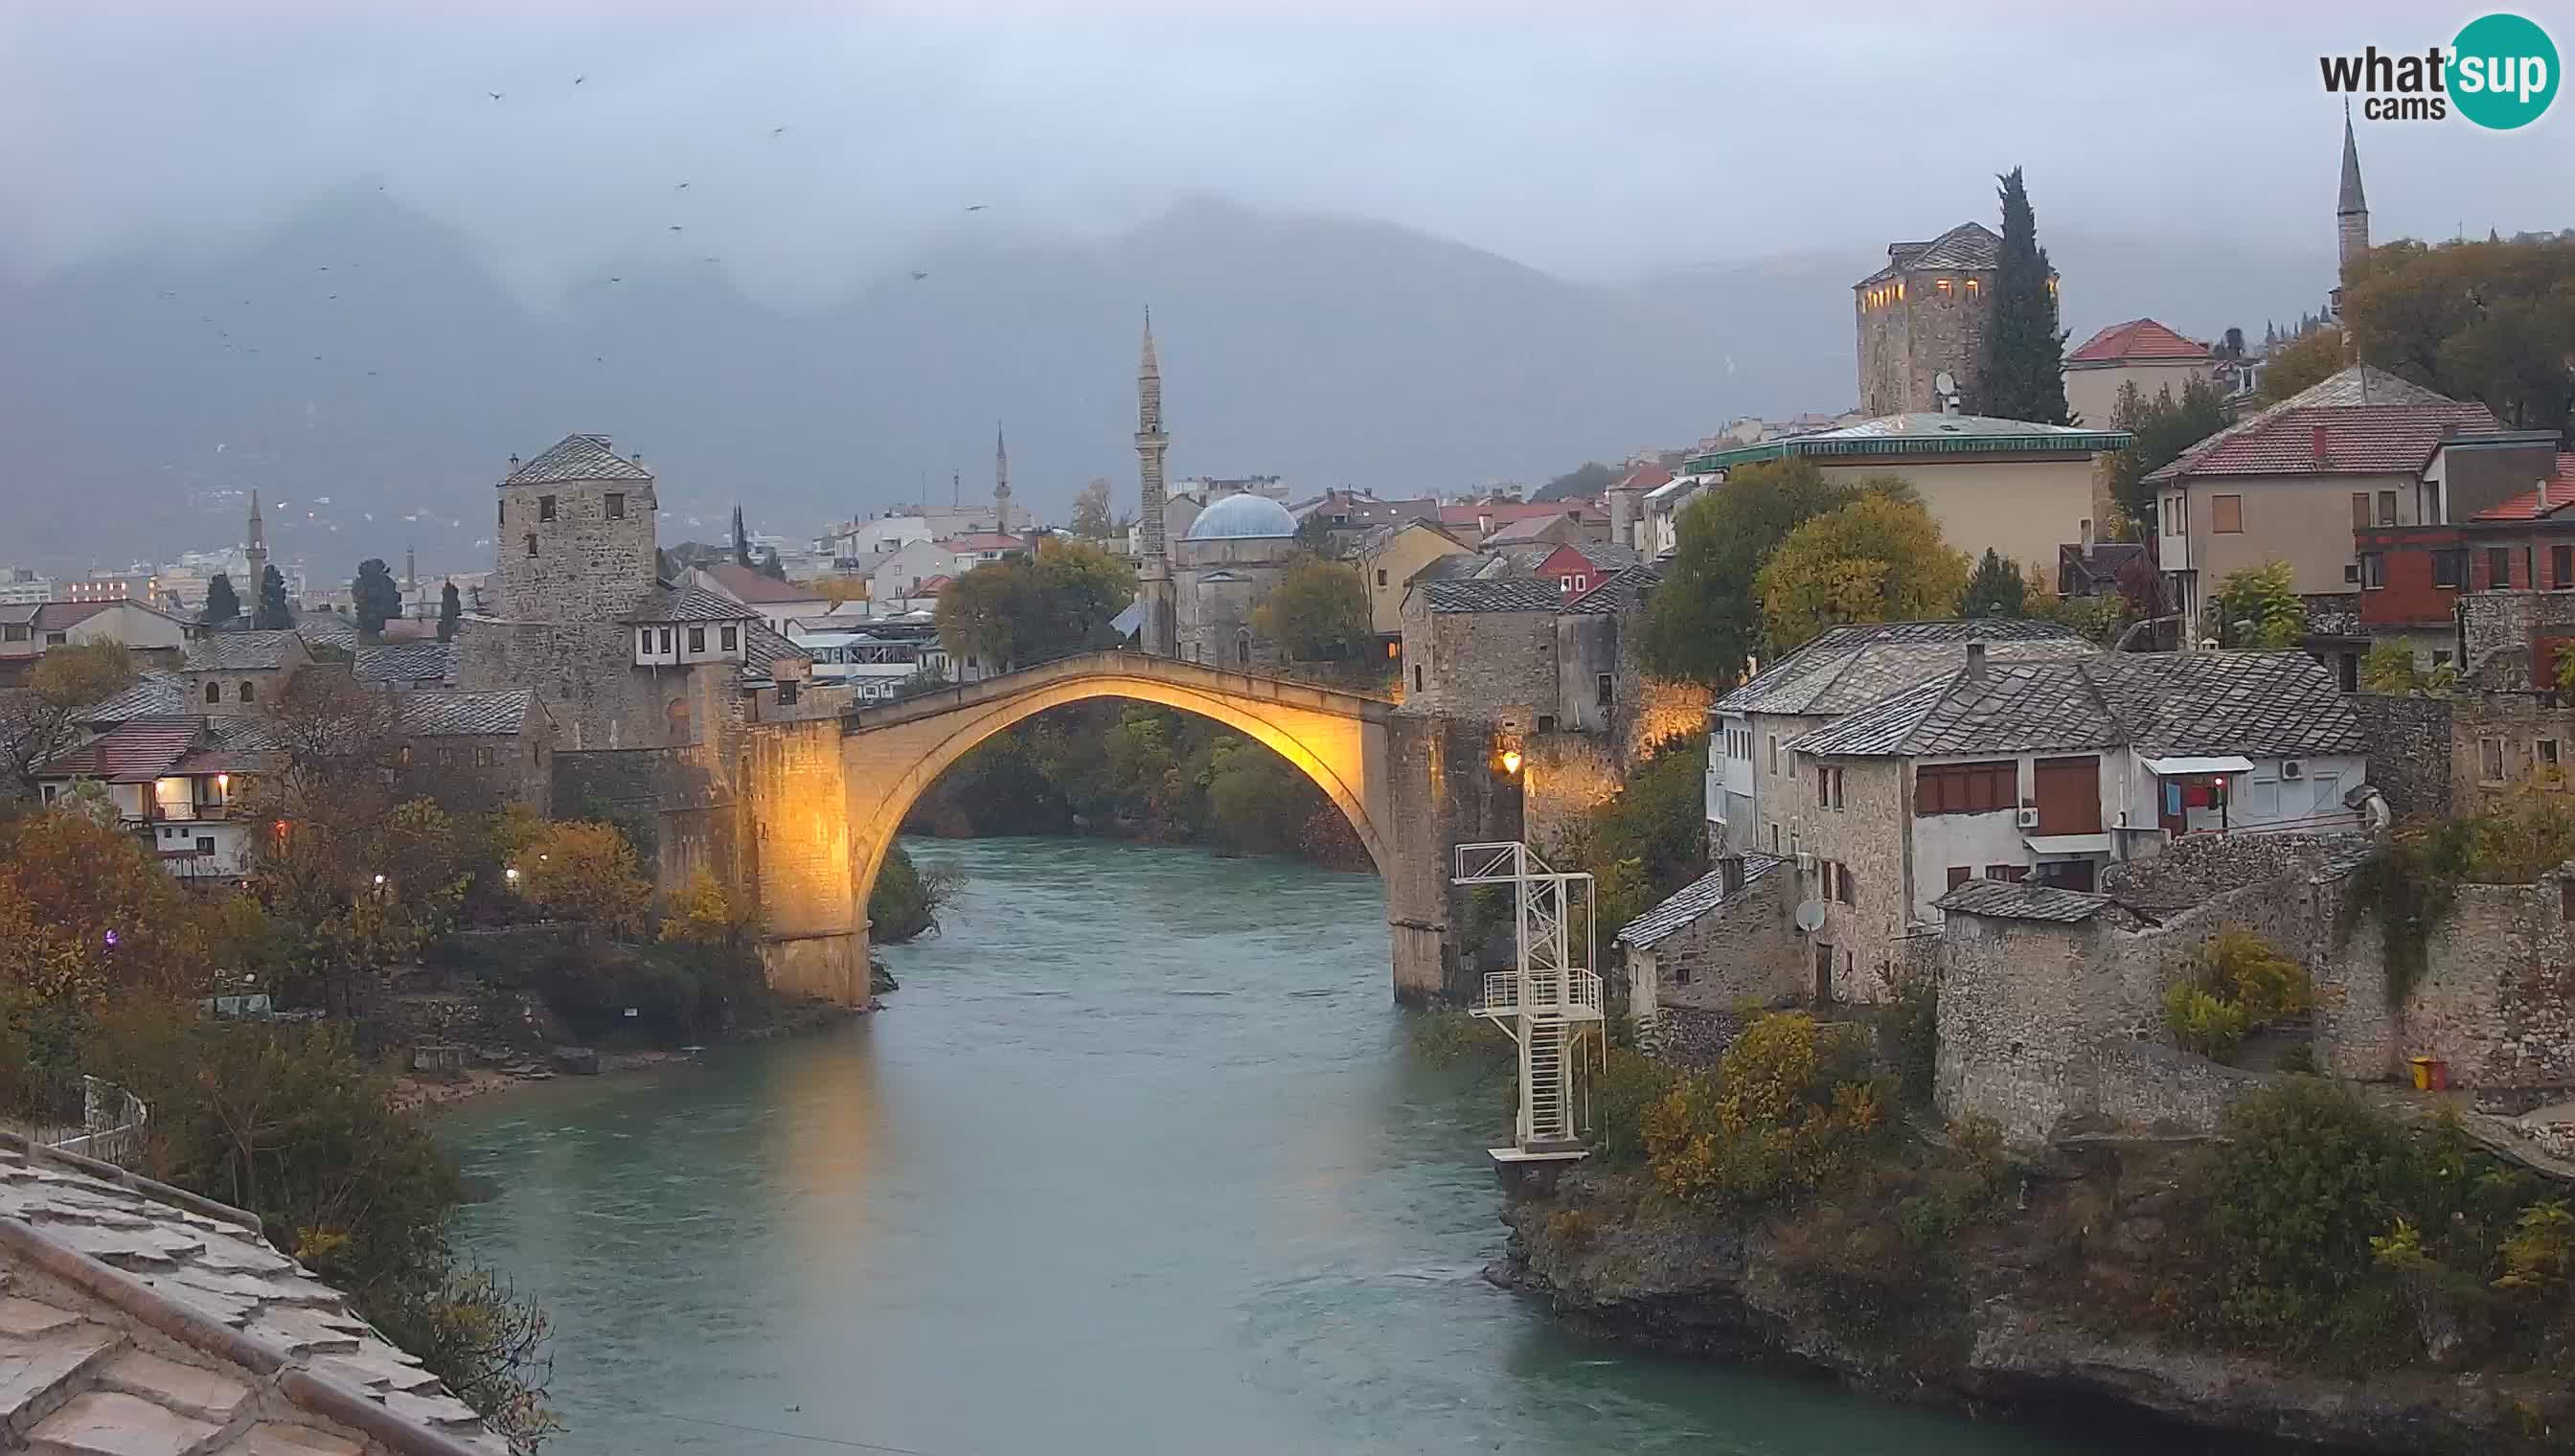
675 720
214 691
249 690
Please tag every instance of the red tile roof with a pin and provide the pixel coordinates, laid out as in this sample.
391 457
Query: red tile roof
748 587
931 587
135 752
2528 506
1503 513
1644 476
2339 438
2138 341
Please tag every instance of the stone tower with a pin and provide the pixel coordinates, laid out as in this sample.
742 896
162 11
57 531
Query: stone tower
1001 482
2351 215
255 554
1160 629
576 540
1924 315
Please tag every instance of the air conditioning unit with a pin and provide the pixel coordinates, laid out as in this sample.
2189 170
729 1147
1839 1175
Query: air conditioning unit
1806 863
2029 818
2292 769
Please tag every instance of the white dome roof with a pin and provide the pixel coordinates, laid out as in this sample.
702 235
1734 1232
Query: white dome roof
1243 516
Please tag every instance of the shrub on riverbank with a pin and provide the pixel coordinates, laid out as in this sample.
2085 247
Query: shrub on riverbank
905 900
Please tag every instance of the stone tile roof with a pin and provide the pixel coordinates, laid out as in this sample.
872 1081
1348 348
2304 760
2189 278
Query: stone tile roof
690 604
577 458
440 712
327 628
2259 704
1530 528
1376 539
137 751
2529 505
1500 594
2023 901
240 651
743 583
2138 341
1849 668
1606 554
2373 422
1968 247
150 695
1619 593
1695 899
406 662
762 646
138 1319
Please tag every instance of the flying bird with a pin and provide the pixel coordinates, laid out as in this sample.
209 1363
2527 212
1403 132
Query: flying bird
577 80
711 258
614 278
495 95
674 227
683 187
979 207
776 130
334 297
918 276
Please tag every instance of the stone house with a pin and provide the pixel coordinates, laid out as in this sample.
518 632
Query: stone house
2019 489
242 671
1482 649
1723 940
1557 530
1390 557
405 666
477 752
898 576
29 629
1923 316
1842 670
1484 518
1658 528
2497 504
2357 447
775 602
2140 352
174 782
1234 553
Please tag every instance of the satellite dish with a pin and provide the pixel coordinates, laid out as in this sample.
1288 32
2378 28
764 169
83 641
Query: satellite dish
1810 916
1944 383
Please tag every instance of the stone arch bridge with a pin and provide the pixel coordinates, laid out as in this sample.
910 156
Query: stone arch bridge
824 799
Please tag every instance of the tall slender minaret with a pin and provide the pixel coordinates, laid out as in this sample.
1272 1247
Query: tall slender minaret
255 554
1001 481
2351 215
1160 630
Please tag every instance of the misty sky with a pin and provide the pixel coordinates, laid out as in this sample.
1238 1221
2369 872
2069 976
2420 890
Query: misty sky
1637 137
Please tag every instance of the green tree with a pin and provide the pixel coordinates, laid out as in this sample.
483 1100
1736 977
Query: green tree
1703 624
1316 611
1879 559
1258 802
1583 482
451 611
2489 321
905 900
1017 612
1314 536
741 541
1090 514
43 717
2305 362
2258 607
1996 590
273 614
772 568
222 602
586 873
378 599
2163 428
2022 372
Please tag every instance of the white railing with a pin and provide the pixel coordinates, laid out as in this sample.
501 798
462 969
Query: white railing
1571 994
111 1126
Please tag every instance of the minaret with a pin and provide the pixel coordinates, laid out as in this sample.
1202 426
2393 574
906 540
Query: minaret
1001 481
1160 630
2351 214
255 555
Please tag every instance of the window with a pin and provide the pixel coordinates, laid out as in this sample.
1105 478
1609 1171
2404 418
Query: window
57 639
1774 839
1381 575
2543 755
2498 567
2262 799
666 640
2449 568
697 639
787 694
1952 788
1774 753
2008 873
1844 890
2561 568
1682 971
1604 689
2490 760
1960 873
205 844
2373 571
2351 574
1416 677
617 504
545 508
504 516
1972 287
643 639
732 637
2440 657
1546 723
214 692
1241 648
532 542
2387 508
1941 287
2226 515
1823 786
446 757
482 757
248 690
2360 509
15 631
401 755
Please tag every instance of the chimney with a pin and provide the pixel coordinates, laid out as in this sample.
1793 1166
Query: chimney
1729 872
1622 515
2087 535
2318 442
1483 523
2543 494
1976 660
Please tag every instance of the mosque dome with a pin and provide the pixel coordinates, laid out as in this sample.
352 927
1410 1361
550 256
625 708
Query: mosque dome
1243 516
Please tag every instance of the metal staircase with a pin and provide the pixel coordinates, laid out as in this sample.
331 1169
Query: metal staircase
1549 1001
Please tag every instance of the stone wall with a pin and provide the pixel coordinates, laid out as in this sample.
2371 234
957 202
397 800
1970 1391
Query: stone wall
1490 666
1563 776
588 566
2496 1000
1870 833
2149 1084
480 772
2197 868
2499 633
2516 725
1905 343
1742 951
583 671
2409 750
797 837
1443 791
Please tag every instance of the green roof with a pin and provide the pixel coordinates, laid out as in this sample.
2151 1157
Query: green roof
1921 434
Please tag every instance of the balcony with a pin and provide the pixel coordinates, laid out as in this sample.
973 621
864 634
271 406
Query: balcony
1566 996
189 814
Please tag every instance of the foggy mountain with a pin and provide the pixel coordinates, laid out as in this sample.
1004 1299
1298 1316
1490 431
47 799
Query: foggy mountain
1330 351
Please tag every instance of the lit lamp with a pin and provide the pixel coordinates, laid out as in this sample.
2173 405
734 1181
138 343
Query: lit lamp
1511 760
511 875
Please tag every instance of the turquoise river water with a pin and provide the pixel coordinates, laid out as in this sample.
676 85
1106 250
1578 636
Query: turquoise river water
1139 1159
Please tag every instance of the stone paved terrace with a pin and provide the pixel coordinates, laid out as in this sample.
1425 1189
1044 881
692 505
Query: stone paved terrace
139 1320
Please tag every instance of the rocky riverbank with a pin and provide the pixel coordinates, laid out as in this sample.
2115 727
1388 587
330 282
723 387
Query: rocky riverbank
2060 1300
438 1075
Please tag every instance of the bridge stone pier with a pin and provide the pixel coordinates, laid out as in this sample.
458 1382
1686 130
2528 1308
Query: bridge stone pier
825 798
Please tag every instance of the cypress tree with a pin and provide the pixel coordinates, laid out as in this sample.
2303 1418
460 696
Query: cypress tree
272 614
222 604
2024 352
451 611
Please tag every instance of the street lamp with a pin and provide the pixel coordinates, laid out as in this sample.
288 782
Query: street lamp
511 875
1511 760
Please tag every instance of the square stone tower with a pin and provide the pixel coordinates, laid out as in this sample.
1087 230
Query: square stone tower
1921 314
577 538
